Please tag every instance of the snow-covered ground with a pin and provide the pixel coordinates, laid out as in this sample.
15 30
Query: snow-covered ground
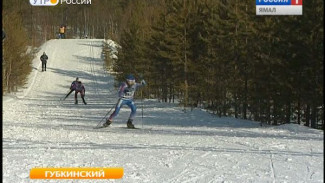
39 130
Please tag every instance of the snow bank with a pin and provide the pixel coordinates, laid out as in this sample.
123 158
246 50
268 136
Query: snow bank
113 46
298 129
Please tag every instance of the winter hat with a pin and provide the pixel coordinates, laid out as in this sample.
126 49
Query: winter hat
130 77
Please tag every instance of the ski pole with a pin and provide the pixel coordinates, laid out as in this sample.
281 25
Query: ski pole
105 115
142 109
141 77
63 98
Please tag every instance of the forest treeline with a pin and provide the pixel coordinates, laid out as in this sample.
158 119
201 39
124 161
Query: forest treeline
221 56
215 54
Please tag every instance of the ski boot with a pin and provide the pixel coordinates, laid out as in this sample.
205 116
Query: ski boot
84 101
129 124
108 122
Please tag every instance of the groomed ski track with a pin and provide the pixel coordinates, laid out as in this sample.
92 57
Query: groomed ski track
39 130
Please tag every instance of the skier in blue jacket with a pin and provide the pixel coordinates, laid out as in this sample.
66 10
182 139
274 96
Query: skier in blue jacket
126 93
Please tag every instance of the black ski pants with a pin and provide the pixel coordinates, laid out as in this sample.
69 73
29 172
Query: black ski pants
43 65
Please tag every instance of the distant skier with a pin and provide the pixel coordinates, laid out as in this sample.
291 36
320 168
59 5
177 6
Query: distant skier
72 87
126 93
62 32
79 88
44 58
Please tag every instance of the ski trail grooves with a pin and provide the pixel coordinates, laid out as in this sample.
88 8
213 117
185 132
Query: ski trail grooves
39 130
272 168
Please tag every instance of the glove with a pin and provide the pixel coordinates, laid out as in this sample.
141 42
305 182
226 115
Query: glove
143 82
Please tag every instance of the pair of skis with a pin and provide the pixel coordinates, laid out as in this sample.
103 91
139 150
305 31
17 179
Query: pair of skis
99 127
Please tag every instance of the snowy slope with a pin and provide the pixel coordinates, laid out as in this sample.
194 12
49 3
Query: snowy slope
39 130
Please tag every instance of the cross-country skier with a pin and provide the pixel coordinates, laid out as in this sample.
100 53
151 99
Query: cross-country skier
79 88
44 58
72 87
126 94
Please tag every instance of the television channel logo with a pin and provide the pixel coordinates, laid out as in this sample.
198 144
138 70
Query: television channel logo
43 2
279 7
